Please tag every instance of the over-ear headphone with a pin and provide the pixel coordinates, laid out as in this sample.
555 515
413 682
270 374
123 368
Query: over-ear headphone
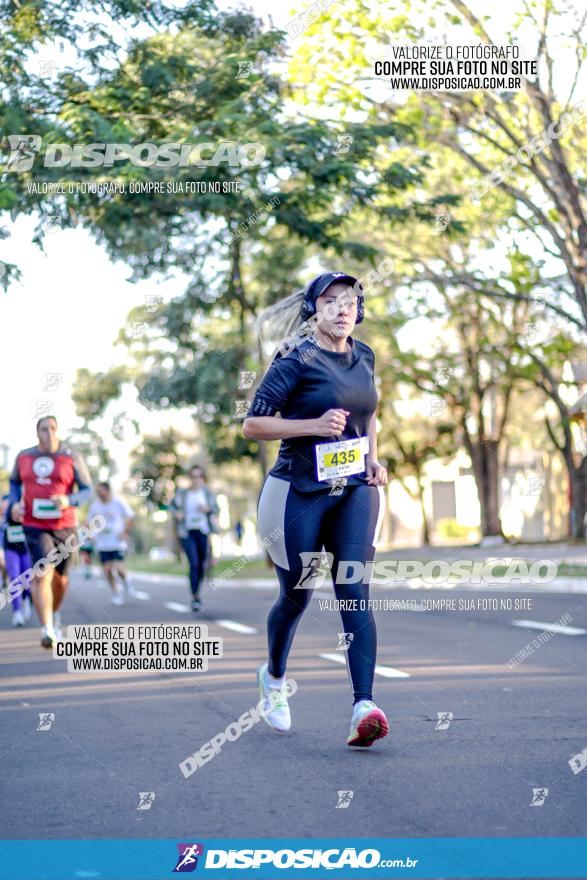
308 309
309 304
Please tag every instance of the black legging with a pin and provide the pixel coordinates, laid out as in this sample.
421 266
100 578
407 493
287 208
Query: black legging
196 550
345 525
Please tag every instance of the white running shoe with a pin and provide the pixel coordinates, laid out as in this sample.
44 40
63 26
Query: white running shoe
27 608
367 724
274 707
117 599
48 637
17 618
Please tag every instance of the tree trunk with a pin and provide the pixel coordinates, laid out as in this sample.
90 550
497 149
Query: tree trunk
485 458
425 525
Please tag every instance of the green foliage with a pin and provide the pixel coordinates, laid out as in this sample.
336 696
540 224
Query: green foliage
450 528
90 444
182 86
157 459
93 391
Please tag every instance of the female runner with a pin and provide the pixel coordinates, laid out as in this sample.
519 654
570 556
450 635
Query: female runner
17 562
324 489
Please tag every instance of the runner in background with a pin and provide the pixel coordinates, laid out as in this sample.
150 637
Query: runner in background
193 508
3 581
86 554
17 561
47 483
112 542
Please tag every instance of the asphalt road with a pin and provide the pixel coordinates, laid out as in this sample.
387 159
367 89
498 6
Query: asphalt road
117 734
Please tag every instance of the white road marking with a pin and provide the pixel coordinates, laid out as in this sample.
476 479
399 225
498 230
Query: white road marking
385 671
177 606
551 627
138 594
390 672
237 627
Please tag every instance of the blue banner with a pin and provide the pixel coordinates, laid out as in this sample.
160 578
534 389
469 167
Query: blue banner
270 859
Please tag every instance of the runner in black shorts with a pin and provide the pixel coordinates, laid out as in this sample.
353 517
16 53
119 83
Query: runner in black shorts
111 543
324 490
43 497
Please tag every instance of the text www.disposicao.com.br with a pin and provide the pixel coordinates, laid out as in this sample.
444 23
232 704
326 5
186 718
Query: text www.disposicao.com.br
104 664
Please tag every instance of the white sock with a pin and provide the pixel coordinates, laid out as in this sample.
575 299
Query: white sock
274 682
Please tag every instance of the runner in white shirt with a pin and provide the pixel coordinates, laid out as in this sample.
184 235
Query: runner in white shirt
111 542
196 503
192 508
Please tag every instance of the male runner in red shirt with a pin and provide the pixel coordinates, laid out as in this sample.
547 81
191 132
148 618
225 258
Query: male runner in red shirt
42 497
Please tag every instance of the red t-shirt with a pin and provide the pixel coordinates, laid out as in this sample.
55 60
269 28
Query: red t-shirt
42 474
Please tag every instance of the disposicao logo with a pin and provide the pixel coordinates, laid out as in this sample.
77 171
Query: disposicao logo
289 858
188 857
24 149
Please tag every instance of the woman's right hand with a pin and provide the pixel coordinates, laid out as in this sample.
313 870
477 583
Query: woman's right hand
332 423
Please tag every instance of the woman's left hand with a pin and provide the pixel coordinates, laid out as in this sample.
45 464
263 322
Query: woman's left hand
376 474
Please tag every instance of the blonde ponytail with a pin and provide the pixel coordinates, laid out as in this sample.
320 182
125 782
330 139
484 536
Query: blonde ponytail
276 326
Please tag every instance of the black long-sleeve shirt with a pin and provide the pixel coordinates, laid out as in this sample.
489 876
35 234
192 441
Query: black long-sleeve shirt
304 384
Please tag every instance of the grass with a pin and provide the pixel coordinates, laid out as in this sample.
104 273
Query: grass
253 568
565 570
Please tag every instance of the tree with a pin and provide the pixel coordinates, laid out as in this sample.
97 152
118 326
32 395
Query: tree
534 207
183 87
155 466
458 352
543 365
31 102
542 181
407 446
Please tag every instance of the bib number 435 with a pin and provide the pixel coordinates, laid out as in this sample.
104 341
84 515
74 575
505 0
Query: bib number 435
341 459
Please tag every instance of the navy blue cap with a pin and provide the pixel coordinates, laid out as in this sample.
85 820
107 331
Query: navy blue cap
321 283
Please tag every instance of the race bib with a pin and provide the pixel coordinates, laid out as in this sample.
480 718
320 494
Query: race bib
44 508
15 534
342 458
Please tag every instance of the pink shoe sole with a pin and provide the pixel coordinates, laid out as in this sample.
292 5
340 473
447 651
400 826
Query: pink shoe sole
373 726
